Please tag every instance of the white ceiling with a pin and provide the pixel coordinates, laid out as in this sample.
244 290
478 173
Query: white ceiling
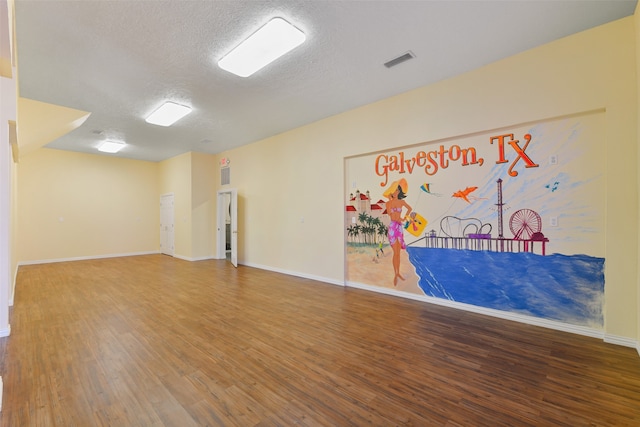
120 59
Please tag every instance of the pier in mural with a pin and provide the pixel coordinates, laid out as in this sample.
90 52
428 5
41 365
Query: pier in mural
511 220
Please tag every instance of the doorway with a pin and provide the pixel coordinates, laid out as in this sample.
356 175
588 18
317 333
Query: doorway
227 225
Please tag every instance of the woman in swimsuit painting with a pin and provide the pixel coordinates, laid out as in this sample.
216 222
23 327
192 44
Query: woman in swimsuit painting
396 192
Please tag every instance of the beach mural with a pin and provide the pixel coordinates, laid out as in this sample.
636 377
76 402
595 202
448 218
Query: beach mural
511 219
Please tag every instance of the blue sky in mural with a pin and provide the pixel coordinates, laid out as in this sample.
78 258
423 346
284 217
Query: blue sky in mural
562 190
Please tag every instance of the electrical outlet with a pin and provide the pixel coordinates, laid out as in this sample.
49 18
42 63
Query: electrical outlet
553 221
553 159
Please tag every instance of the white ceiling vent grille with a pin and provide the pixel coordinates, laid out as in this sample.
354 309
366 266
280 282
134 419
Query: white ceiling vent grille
225 176
400 59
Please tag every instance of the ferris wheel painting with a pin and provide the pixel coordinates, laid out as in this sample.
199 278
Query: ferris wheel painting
525 224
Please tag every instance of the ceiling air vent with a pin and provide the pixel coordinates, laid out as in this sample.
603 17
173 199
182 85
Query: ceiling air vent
400 59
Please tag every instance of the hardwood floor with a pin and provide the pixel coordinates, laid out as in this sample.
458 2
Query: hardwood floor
156 341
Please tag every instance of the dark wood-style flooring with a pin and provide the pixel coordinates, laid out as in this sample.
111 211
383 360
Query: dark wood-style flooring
157 341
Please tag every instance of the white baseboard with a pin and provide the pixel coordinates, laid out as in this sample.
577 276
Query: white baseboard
185 258
5 332
623 341
85 258
13 286
546 323
297 274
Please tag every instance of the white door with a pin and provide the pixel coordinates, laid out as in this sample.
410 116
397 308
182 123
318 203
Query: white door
166 224
228 208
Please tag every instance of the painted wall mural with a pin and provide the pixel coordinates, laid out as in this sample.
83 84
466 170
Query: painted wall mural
511 219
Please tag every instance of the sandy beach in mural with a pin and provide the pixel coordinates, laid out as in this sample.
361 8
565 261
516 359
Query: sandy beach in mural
365 268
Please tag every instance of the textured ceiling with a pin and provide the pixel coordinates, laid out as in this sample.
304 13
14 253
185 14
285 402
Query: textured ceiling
121 59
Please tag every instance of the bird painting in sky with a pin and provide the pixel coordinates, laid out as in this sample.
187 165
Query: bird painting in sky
465 194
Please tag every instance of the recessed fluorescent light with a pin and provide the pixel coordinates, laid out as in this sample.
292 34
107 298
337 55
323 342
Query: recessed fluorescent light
111 146
168 114
270 42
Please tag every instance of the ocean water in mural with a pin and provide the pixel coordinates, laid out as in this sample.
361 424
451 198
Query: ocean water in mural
566 288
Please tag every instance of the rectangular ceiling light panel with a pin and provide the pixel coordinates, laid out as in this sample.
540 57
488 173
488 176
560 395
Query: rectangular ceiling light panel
270 42
168 114
111 146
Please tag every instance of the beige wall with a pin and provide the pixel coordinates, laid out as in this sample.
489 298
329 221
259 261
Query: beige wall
191 178
8 116
72 205
288 188
7 262
291 202
204 181
175 178
290 185
637 39
14 229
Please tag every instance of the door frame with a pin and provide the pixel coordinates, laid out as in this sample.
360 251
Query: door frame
221 240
